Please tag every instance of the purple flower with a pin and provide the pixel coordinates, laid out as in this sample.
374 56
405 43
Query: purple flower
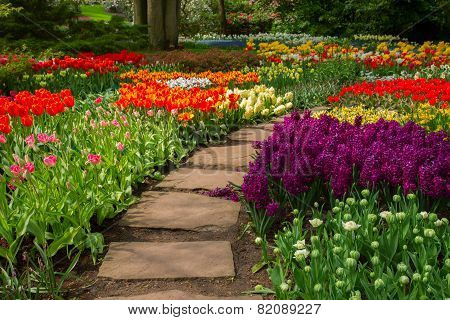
272 208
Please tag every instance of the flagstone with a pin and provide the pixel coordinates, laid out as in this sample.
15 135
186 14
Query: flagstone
177 210
197 179
250 135
231 156
168 260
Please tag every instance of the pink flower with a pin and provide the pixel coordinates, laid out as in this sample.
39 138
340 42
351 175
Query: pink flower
104 123
98 100
150 113
29 166
2 138
125 123
135 113
119 146
115 123
42 138
16 170
52 138
94 158
87 113
30 140
93 124
50 161
128 135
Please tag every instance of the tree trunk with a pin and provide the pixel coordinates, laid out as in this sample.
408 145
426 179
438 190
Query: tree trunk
140 12
172 17
222 17
155 23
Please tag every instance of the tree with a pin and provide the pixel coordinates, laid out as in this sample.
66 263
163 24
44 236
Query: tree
163 17
140 12
222 16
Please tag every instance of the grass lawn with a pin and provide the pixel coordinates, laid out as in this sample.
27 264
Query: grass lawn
95 12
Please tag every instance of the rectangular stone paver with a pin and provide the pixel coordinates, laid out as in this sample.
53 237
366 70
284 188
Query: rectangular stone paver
196 179
250 135
177 210
229 156
179 295
168 260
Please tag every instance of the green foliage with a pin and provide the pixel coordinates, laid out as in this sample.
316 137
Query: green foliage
425 19
356 252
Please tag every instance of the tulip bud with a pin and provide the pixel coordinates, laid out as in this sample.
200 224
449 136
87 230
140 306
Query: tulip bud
356 296
428 268
365 193
418 240
410 196
289 234
336 210
296 220
438 223
375 260
405 247
350 201
416 230
401 267
375 229
444 221
337 250
363 203
347 217
400 216
433 217
403 280
307 269
337 237
295 212
375 244
425 280
416 277
340 271
258 241
447 263
350 263
354 254
379 284
396 198
341 204
429 233
372 217
315 253
315 241
340 284
284 286
276 251
317 287
316 204
372 274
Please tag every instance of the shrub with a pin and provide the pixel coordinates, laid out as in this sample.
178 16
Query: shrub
213 60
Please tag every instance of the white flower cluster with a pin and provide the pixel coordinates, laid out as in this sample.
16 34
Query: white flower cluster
188 83
262 101
288 38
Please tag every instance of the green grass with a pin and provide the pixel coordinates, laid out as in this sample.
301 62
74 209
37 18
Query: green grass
95 12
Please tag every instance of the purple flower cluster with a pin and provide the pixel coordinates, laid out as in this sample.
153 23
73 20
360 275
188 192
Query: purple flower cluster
304 149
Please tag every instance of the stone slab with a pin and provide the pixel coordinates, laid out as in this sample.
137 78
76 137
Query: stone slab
168 260
230 156
250 135
201 179
177 210
179 295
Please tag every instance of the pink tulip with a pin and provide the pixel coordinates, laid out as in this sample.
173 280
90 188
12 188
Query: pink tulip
16 170
50 161
150 113
42 138
30 140
98 100
115 123
128 135
2 138
120 146
104 123
29 166
94 158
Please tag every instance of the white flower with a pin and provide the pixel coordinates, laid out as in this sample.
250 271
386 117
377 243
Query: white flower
300 244
350 225
385 214
424 214
284 286
315 222
303 253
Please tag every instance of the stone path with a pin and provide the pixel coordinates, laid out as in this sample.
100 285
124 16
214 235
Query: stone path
173 205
